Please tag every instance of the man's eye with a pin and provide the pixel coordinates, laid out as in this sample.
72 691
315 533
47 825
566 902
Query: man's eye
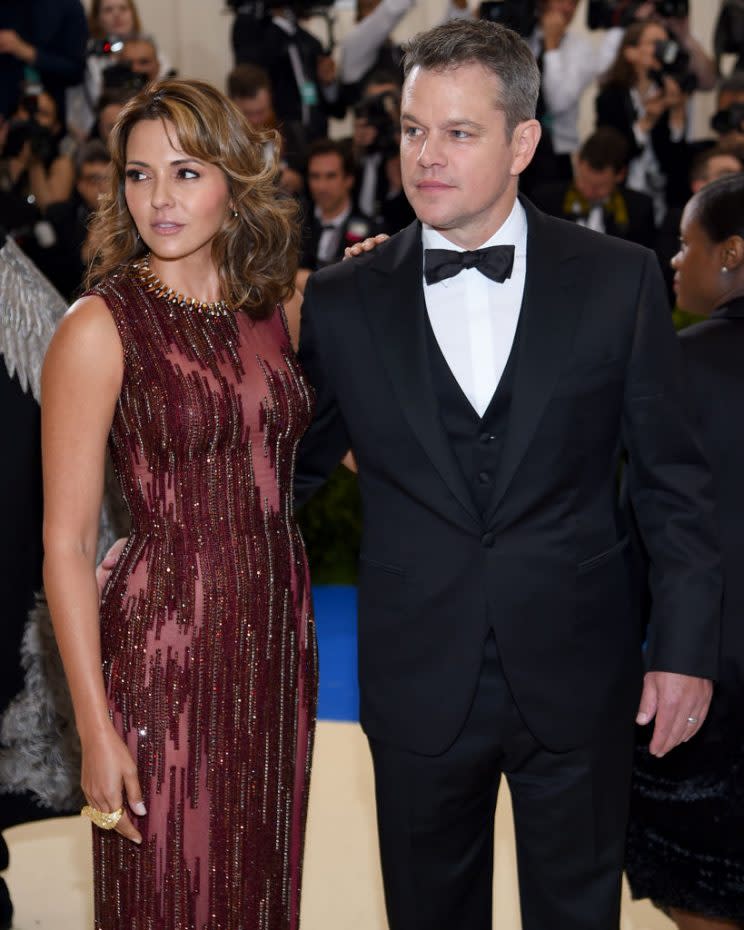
460 134
134 175
411 131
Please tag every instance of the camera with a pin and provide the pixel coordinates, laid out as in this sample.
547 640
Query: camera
111 45
675 63
41 139
120 77
728 120
605 14
519 15
381 111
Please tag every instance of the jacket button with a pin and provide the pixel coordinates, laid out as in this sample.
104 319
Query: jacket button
487 540
484 477
485 438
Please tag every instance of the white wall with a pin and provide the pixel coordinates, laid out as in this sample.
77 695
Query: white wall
195 35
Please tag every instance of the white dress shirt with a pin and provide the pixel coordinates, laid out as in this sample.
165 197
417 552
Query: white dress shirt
329 237
474 319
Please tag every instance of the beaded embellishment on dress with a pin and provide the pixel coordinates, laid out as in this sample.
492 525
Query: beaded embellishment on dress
208 642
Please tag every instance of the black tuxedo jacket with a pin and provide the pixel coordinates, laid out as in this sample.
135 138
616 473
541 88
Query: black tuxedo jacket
713 351
355 228
640 207
598 373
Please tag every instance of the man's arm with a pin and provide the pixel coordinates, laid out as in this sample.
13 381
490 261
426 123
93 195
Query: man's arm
327 440
669 484
360 47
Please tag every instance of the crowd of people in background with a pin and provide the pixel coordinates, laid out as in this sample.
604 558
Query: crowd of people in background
630 178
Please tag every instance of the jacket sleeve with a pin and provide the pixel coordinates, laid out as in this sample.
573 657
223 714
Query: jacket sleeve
327 440
670 489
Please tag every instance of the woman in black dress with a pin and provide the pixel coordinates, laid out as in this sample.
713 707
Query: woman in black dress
686 837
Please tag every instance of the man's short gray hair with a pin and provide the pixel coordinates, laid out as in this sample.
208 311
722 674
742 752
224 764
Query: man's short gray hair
498 49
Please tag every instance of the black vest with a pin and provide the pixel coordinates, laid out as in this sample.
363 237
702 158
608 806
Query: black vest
476 441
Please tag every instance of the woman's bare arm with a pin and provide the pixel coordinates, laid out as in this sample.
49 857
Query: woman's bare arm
81 380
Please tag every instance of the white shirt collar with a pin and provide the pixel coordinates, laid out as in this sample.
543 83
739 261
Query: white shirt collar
286 25
513 231
336 221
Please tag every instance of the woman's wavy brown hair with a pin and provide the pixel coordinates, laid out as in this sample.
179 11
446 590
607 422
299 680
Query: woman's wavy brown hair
94 20
255 252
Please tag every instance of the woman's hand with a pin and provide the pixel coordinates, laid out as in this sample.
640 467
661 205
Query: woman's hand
108 563
367 245
109 777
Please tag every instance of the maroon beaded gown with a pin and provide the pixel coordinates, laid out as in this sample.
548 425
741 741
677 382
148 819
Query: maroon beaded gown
207 635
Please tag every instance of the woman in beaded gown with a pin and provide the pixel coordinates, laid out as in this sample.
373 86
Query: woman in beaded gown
194 686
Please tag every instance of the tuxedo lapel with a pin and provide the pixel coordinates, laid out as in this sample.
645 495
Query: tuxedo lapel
396 311
550 311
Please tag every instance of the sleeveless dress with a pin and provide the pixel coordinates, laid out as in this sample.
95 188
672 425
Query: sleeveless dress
207 635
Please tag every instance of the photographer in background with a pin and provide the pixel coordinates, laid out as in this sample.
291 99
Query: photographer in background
596 198
367 47
378 189
569 62
35 171
249 88
140 54
303 74
65 260
728 120
640 99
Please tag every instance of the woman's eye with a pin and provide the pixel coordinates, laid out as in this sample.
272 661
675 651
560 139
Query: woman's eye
134 175
187 174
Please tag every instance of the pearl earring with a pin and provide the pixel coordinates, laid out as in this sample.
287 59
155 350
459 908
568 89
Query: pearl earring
724 270
235 214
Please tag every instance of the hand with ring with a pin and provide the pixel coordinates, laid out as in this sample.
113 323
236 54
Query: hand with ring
679 704
109 778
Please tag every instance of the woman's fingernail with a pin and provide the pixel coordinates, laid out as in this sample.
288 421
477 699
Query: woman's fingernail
138 840
139 808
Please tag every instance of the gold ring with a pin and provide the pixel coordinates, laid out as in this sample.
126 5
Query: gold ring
102 819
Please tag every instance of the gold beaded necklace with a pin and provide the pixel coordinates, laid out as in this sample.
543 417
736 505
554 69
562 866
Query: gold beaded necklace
153 285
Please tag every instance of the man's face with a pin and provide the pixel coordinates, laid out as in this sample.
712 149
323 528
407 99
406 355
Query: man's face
719 166
257 110
329 186
459 169
141 58
94 179
596 186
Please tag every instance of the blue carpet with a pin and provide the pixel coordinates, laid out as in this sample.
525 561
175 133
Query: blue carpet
335 620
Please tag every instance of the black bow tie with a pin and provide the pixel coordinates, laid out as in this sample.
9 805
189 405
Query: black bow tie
495 262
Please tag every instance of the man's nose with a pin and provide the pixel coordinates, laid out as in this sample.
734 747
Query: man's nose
431 152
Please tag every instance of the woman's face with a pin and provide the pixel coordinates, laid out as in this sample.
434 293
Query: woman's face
643 56
177 202
116 17
698 280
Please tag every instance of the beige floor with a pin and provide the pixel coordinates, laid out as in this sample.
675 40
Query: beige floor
50 861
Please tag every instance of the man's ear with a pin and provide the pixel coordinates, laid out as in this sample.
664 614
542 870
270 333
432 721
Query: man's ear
524 143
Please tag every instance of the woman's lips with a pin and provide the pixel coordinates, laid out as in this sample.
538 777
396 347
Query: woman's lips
166 229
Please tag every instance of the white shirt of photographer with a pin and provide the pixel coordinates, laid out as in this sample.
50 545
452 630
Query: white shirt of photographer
475 319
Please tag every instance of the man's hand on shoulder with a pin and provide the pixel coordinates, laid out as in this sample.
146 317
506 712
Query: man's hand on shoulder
680 705
367 245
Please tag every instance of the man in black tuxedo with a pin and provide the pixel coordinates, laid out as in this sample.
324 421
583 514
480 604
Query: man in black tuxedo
488 397
331 223
595 197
